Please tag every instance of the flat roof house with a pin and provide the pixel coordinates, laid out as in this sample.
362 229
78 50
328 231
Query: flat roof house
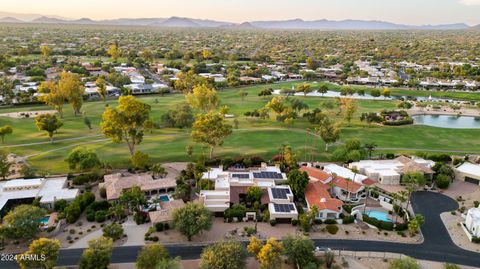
468 172
232 184
116 184
48 190
389 172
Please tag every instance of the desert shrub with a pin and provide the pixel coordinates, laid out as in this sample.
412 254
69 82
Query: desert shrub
100 216
273 222
348 219
330 221
332 229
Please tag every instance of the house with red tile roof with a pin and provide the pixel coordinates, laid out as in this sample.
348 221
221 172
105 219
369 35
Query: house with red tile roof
318 194
340 188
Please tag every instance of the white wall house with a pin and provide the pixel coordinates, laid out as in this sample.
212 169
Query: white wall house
472 222
468 172
48 190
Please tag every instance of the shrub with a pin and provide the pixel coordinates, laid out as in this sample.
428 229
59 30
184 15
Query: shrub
384 225
331 221
90 213
159 227
273 222
332 229
401 227
443 181
317 221
60 205
294 222
100 216
236 211
114 231
476 240
348 219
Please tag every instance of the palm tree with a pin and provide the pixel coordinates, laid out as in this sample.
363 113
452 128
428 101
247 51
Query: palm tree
367 189
370 147
116 211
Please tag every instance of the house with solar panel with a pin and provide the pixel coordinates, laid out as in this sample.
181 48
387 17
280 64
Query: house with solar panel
231 187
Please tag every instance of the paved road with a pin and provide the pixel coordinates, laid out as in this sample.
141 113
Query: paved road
437 245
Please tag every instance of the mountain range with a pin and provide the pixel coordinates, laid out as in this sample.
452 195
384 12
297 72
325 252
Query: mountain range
295 24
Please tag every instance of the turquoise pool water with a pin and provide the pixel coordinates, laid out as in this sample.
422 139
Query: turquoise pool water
164 198
379 215
44 220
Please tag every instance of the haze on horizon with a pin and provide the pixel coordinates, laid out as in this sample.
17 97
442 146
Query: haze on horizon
404 12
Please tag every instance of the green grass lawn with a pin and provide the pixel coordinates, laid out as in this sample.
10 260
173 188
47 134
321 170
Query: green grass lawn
254 137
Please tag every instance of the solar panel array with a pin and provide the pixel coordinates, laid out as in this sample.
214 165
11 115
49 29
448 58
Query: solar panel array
273 175
241 175
280 193
283 207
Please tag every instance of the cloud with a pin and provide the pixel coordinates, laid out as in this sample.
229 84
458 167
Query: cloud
470 2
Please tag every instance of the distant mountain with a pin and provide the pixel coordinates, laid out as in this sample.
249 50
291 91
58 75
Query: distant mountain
476 27
199 23
349 25
178 22
10 20
45 19
27 16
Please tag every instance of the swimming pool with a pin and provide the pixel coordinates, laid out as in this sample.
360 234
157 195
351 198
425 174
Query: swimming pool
164 198
383 216
44 220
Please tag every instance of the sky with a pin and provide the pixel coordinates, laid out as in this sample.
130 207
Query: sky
397 11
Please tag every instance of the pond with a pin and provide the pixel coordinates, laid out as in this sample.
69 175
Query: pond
366 96
448 121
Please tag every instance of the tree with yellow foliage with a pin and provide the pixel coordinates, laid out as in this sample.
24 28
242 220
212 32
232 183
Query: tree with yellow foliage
349 107
102 89
52 96
45 249
203 98
269 255
71 86
46 51
114 51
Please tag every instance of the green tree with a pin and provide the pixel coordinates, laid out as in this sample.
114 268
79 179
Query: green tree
48 248
83 159
254 194
5 130
158 170
328 131
323 89
203 98
415 224
113 230
375 93
140 160
222 255
22 221
298 181
87 122
49 123
133 198
5 165
243 94
181 116
192 219
150 256
127 122
97 255
405 263
72 88
210 129
299 250
169 264
304 88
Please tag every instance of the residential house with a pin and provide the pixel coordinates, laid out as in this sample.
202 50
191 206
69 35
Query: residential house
472 223
48 190
389 172
116 184
468 172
